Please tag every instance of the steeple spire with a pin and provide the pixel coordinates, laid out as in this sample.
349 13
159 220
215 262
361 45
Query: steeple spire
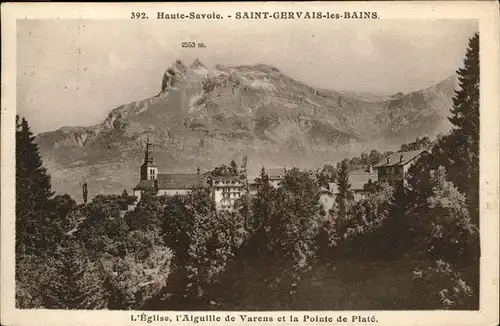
147 155
148 170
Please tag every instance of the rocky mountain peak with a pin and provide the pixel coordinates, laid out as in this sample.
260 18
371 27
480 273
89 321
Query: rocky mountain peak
197 64
208 117
172 75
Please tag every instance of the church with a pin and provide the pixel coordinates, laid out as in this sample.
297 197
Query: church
225 191
164 183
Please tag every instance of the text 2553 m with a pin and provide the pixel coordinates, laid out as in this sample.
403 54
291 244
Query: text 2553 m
138 15
193 45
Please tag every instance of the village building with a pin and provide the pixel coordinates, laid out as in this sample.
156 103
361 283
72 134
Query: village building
394 168
253 185
226 191
361 182
164 183
276 175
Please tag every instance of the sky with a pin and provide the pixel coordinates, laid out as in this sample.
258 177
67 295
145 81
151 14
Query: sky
74 72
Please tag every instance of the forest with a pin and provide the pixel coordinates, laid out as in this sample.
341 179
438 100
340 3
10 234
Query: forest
414 246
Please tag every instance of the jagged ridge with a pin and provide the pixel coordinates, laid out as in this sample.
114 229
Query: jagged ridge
209 116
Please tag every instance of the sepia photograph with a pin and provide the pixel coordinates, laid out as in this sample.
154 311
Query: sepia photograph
238 160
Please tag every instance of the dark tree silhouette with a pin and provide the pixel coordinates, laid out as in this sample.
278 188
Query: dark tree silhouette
233 168
33 191
85 193
344 188
459 151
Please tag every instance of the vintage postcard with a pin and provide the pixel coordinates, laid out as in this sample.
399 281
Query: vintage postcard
250 163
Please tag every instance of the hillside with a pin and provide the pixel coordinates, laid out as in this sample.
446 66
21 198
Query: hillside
207 116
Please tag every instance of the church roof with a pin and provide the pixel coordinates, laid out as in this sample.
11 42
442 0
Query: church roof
145 185
172 181
180 181
399 158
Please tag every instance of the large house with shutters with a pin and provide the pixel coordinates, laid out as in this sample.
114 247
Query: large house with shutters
394 167
226 191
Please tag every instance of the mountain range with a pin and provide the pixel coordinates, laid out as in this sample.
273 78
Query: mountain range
206 117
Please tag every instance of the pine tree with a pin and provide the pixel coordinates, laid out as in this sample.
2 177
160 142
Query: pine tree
262 202
460 149
85 193
33 190
344 189
233 168
79 284
465 111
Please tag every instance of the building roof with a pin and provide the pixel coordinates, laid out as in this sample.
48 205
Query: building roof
172 181
180 181
145 185
231 180
399 158
357 179
276 173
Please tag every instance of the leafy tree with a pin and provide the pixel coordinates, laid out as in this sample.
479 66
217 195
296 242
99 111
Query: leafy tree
62 205
419 143
101 229
290 231
148 215
35 281
362 229
203 242
446 232
329 169
141 274
374 157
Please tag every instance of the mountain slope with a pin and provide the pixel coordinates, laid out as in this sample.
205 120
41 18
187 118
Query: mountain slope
208 116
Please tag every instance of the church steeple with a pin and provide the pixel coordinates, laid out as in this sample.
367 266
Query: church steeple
148 170
148 158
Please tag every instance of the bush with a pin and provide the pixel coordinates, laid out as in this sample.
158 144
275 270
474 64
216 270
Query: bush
439 286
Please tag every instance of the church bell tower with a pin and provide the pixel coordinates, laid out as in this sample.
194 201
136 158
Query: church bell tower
149 171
